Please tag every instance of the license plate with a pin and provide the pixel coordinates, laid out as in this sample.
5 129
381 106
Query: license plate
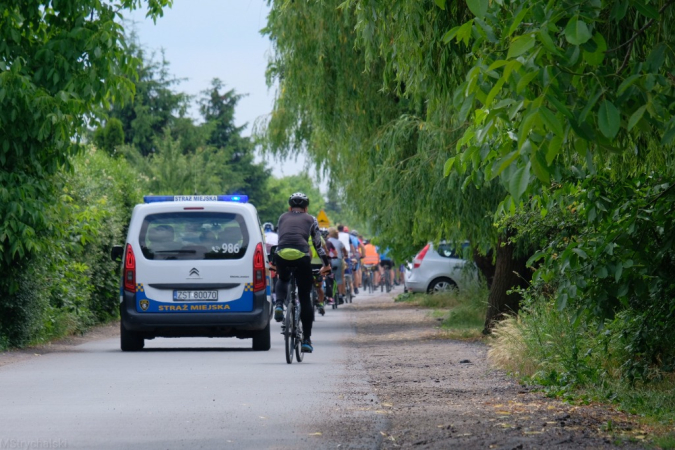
185 296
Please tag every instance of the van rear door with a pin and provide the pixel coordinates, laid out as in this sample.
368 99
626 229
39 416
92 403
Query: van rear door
192 259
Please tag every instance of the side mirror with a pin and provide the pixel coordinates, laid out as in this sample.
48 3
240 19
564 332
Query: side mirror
117 252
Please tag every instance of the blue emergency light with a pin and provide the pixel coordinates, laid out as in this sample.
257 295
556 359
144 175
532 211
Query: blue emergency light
195 198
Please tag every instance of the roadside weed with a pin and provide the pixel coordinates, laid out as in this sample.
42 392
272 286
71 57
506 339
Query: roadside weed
508 349
666 442
580 361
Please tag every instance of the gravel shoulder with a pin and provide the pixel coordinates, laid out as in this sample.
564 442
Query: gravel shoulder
434 393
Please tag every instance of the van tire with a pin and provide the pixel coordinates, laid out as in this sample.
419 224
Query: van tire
130 341
262 340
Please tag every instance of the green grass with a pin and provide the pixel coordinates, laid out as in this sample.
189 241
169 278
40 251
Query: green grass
463 312
579 363
666 442
655 400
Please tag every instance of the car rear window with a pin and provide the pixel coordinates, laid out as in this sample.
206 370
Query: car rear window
194 236
446 251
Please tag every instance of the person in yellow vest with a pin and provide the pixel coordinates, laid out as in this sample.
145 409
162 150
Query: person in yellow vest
371 259
317 264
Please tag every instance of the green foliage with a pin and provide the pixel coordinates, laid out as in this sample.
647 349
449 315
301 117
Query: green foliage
217 108
433 118
551 348
109 137
583 84
100 196
73 284
46 91
155 106
280 189
169 171
217 159
607 252
383 147
23 312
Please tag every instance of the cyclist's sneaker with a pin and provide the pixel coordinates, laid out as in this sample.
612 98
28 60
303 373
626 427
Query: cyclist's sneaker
356 290
341 300
322 310
307 346
279 312
330 301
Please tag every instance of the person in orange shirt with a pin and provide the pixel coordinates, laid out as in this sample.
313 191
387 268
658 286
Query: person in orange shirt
371 258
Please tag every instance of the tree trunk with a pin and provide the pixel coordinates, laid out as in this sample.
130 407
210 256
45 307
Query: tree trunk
510 272
485 265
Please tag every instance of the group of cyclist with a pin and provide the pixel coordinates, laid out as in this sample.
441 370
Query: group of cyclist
321 257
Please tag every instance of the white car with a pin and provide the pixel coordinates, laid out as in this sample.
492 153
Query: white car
437 270
194 266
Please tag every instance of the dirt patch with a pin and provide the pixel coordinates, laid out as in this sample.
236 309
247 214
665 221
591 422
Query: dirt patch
106 331
440 394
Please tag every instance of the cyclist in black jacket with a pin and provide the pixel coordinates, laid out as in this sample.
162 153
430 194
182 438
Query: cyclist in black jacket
294 229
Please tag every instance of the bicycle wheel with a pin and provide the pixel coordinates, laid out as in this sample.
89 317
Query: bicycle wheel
289 325
298 334
315 301
289 332
387 280
348 289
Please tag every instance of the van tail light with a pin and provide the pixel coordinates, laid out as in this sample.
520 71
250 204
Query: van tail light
259 279
420 256
130 270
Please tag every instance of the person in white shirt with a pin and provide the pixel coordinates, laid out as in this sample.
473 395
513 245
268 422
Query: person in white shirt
343 236
271 238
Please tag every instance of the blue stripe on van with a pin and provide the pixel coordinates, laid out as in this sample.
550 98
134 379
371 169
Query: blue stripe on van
147 305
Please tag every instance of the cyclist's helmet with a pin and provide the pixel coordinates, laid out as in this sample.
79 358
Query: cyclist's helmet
366 241
324 232
354 233
298 200
268 227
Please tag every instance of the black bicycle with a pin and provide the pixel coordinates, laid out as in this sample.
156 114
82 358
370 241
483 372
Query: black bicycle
349 281
387 278
292 326
317 279
369 278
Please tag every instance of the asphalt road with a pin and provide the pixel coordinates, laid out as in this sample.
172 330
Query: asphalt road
177 393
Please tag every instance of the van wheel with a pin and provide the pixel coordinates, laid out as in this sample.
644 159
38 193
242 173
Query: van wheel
130 341
262 340
442 285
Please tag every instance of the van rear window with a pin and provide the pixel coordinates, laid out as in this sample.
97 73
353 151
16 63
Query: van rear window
194 236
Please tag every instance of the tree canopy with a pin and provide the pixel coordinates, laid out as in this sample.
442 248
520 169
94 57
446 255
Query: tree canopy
476 119
59 61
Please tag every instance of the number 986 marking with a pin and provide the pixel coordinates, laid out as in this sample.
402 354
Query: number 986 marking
227 248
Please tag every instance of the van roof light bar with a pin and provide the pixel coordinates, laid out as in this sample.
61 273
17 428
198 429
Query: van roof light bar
195 198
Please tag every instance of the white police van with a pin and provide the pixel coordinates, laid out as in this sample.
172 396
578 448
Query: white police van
194 266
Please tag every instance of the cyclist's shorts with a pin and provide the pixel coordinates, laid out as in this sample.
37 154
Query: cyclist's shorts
317 277
336 265
349 267
386 263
